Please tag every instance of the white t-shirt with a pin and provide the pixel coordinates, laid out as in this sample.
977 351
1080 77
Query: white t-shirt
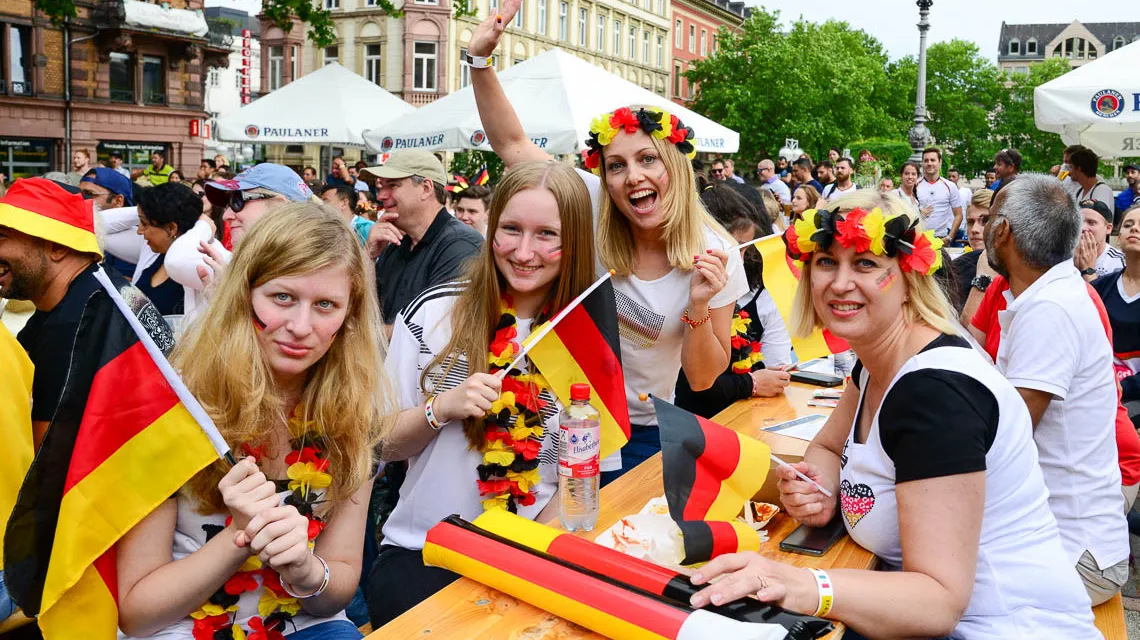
776 344
1052 340
832 191
943 195
778 189
1100 192
190 534
1109 261
1024 587
912 201
441 478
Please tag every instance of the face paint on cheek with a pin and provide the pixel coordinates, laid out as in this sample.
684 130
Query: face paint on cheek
258 324
555 253
886 281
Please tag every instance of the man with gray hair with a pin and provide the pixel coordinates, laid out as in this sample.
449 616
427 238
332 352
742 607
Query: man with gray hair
770 181
1054 350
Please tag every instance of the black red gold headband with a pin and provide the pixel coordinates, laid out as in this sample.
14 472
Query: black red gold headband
655 122
865 231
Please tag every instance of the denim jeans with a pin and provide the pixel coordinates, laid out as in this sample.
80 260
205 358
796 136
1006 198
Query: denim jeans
644 441
7 607
332 630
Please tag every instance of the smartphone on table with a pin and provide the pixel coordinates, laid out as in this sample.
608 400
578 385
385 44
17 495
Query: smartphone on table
814 541
817 379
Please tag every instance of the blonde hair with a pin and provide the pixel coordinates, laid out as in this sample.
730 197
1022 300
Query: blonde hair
685 220
982 198
925 301
475 316
346 394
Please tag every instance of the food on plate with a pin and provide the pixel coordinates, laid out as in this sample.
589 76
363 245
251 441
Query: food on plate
758 514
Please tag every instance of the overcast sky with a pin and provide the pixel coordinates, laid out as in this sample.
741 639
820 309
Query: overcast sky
893 21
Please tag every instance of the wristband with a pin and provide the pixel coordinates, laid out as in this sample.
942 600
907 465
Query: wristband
826 592
693 324
479 62
321 589
429 412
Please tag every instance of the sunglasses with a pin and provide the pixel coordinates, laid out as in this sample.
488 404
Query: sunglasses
239 198
717 171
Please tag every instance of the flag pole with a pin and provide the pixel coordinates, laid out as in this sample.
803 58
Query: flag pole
536 338
757 240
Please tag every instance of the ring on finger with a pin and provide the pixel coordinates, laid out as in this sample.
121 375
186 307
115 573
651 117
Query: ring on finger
763 584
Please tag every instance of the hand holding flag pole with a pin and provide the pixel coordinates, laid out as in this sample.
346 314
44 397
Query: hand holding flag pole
537 337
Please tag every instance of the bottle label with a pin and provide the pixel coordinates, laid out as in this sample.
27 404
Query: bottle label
581 446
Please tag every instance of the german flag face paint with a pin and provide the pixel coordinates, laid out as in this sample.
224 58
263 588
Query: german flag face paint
258 324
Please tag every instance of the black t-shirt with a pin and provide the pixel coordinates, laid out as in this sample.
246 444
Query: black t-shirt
936 422
965 267
49 336
404 272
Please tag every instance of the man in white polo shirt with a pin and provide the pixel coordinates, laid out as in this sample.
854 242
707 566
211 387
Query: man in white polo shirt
1054 350
938 198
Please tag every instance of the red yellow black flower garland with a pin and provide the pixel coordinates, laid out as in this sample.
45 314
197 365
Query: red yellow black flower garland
655 122
865 231
513 432
308 469
746 352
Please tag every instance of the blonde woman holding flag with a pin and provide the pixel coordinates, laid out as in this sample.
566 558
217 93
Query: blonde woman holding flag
676 278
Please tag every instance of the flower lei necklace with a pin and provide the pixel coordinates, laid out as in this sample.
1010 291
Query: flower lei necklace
745 352
653 121
865 231
308 464
513 431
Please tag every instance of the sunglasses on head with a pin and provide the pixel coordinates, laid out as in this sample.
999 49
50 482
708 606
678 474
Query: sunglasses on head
239 198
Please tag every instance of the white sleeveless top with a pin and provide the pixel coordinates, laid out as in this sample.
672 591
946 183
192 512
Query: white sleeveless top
191 532
939 420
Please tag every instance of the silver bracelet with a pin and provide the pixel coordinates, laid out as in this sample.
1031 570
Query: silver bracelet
321 589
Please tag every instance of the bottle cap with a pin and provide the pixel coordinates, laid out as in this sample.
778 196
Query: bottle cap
580 391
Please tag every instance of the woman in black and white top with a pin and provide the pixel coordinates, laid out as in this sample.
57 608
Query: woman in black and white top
539 256
930 454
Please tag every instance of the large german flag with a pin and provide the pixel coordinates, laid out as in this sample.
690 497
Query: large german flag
584 347
710 471
15 421
781 277
124 439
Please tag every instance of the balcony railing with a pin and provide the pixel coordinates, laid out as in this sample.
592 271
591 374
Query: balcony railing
122 95
21 89
419 99
154 98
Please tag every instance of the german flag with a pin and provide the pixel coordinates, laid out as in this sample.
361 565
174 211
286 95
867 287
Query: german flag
482 178
710 472
584 347
16 420
125 437
781 277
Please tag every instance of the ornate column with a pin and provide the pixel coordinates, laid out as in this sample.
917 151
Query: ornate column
919 134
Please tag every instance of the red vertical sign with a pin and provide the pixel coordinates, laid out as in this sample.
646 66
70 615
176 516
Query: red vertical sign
246 60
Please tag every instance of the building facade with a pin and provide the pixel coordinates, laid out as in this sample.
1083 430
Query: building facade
1021 45
125 75
224 85
694 37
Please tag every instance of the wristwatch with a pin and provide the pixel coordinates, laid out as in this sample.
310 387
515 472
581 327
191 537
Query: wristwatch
1091 271
981 283
479 62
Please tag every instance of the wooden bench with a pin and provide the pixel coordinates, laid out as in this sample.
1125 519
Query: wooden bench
1110 619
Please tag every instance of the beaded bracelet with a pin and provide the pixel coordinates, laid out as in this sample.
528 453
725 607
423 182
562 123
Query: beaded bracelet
826 592
429 412
693 324
321 589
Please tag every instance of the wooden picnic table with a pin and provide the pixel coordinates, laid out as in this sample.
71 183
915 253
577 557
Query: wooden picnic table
467 609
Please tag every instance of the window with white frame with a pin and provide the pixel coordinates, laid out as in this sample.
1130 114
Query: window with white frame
660 51
542 17
583 26
563 19
677 71
692 39
464 69
660 7
1015 47
520 18
373 2
1031 47
493 7
276 67
617 38
1118 42
372 62
294 56
632 42
678 35
213 80
423 66
332 54
332 4
704 43
645 47
600 38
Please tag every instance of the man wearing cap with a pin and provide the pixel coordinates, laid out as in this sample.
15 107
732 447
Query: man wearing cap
418 243
107 190
1094 256
117 164
49 256
1130 196
248 196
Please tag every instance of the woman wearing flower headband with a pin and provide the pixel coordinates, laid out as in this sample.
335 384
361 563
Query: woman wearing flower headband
676 275
477 437
287 362
930 455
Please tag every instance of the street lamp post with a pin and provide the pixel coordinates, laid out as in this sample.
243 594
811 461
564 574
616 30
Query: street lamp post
919 134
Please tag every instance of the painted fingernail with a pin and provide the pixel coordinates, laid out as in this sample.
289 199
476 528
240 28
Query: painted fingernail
708 251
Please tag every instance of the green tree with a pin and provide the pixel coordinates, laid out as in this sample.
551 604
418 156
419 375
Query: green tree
821 83
963 89
469 163
1014 126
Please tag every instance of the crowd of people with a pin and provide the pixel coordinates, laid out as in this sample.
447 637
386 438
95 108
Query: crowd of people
354 333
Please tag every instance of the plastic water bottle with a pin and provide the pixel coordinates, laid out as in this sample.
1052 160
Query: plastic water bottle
579 476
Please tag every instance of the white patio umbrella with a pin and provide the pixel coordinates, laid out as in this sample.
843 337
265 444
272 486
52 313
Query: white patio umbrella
555 95
1097 105
330 106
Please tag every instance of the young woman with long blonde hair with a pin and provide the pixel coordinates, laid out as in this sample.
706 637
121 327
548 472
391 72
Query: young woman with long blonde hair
447 345
677 277
287 361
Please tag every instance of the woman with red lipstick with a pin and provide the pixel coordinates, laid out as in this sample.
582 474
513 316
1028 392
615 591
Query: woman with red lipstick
930 454
475 441
677 278
287 362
